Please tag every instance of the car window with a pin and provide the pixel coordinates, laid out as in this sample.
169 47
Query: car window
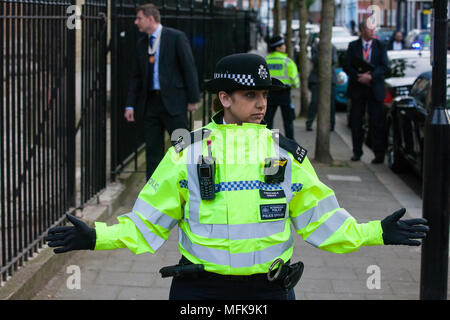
419 90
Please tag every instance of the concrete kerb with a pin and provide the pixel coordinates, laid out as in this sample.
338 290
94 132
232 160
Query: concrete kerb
36 272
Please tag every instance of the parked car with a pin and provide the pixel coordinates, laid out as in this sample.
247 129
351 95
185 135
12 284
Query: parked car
418 39
406 122
341 89
404 67
341 37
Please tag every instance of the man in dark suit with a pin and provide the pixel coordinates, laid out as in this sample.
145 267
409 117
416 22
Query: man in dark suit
367 88
163 85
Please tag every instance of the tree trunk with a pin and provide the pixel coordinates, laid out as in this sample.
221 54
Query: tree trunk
289 15
276 18
302 64
324 84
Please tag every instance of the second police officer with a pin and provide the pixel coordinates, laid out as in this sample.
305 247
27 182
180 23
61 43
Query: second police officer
284 69
233 189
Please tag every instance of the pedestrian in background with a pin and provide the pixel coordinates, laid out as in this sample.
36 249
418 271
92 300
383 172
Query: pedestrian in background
284 69
396 43
164 82
366 88
313 87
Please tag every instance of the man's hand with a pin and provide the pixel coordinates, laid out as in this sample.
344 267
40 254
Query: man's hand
365 78
66 238
129 115
192 106
396 231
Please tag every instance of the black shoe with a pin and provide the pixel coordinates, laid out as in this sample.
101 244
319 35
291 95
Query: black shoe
378 160
356 158
308 129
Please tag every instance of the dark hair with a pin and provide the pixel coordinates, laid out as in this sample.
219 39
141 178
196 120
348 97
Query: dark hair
148 10
216 104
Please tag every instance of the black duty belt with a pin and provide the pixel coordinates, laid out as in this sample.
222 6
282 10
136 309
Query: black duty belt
279 272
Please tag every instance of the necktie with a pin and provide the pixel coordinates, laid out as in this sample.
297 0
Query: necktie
366 52
150 66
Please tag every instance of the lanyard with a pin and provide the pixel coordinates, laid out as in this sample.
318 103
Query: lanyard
152 50
367 52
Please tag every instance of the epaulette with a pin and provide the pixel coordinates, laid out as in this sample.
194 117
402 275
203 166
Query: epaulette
291 146
194 136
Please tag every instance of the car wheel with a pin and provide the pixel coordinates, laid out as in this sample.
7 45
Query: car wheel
395 160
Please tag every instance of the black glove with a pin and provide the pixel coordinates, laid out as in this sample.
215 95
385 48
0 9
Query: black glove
78 237
396 231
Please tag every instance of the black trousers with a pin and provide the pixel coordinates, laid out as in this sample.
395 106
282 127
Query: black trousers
359 100
312 110
226 289
156 121
281 98
288 115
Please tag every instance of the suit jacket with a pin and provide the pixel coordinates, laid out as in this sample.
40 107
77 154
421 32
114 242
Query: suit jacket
378 59
177 73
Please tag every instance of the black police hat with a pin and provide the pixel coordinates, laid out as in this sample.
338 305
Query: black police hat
242 71
276 41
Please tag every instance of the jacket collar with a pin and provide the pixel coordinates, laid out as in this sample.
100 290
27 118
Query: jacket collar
217 119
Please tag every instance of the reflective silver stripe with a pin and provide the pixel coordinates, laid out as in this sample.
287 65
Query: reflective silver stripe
153 215
328 227
152 239
193 152
237 231
234 260
287 183
311 215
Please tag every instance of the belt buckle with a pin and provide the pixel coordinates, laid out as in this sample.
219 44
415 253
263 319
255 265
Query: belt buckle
280 264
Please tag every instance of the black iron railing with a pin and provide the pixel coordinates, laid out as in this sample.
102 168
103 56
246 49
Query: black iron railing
54 110
37 111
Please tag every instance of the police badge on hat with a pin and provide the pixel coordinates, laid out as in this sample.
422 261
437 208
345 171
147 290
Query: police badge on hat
262 72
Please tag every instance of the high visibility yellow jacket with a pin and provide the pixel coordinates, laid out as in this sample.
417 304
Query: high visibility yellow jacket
283 68
247 226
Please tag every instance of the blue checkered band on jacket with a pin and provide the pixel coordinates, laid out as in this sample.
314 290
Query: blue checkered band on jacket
247 185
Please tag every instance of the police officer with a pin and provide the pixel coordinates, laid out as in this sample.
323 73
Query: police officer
285 70
233 189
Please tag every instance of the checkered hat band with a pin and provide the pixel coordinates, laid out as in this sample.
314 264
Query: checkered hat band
247 185
244 79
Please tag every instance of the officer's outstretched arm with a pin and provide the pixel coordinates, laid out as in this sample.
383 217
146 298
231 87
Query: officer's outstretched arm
67 238
403 232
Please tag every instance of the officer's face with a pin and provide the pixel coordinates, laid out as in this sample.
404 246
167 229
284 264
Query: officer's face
244 106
